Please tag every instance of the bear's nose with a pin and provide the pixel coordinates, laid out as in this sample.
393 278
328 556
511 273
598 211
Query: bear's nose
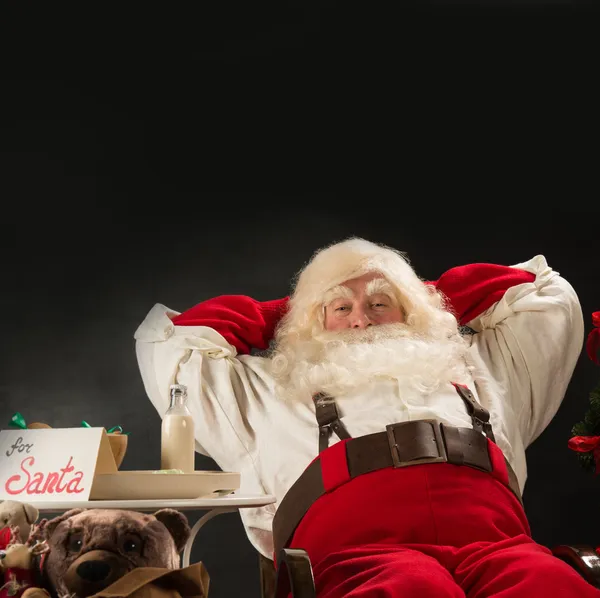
93 570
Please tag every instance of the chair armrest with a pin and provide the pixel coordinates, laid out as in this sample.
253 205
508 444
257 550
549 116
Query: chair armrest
583 558
294 572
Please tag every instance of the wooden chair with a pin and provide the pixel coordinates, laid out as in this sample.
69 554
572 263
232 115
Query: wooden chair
583 558
294 573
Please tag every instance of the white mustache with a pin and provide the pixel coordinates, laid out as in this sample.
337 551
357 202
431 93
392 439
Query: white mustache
337 362
371 334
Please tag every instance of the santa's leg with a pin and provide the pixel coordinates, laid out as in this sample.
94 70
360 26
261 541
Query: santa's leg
518 568
385 572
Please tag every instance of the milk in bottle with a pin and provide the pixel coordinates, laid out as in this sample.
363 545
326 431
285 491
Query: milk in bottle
177 433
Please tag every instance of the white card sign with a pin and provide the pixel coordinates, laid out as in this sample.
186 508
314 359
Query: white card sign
52 464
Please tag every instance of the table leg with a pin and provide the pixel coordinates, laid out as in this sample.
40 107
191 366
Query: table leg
194 532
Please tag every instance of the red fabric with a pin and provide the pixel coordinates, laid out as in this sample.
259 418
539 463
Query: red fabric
249 324
5 537
473 288
244 322
426 531
586 444
592 344
334 466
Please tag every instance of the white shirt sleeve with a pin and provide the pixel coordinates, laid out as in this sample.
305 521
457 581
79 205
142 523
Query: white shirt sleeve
218 385
530 341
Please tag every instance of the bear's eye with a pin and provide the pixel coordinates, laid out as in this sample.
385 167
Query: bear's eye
131 543
75 542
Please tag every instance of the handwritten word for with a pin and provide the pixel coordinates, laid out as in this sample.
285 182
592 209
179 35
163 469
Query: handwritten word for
19 446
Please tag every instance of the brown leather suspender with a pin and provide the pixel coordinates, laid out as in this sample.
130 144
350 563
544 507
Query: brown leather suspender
328 417
480 417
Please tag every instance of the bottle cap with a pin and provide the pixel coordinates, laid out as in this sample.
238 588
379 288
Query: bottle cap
178 389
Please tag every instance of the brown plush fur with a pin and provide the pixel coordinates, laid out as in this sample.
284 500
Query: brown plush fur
92 548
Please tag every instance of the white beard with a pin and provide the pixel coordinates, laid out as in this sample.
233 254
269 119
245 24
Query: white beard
343 362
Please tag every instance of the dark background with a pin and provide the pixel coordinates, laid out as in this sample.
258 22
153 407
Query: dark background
134 148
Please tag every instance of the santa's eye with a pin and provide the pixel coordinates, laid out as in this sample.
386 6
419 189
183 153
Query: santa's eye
75 542
131 543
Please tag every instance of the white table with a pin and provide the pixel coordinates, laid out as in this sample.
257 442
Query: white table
215 506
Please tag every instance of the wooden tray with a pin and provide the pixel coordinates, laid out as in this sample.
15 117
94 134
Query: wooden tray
140 485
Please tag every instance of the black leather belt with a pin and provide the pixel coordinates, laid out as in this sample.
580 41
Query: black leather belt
401 445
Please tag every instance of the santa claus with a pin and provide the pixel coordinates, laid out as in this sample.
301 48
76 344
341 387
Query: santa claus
388 415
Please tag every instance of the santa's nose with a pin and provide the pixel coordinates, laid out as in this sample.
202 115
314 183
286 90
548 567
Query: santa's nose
360 320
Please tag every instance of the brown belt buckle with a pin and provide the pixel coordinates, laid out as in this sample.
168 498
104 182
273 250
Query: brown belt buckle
439 441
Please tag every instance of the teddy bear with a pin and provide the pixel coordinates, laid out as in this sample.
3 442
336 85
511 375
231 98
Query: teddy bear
16 573
18 566
100 552
18 514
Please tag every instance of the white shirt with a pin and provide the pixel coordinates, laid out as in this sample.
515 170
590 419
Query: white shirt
528 342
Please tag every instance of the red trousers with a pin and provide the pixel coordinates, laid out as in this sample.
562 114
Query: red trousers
427 531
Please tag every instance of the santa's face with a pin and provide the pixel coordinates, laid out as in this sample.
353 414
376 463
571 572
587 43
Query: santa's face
364 336
367 300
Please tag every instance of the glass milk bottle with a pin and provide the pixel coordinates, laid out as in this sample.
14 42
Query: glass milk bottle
177 433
